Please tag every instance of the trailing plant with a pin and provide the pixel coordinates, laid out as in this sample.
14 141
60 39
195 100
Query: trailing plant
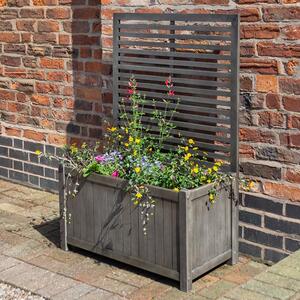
133 151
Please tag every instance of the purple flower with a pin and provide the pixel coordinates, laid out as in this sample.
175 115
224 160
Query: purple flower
100 158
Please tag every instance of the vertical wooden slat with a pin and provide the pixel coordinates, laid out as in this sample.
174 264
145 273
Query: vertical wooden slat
134 230
116 38
89 213
185 240
167 219
62 208
159 229
175 243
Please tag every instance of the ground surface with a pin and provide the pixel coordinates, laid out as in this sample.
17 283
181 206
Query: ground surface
31 260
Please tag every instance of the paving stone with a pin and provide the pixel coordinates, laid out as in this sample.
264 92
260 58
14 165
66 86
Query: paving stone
268 289
280 281
242 294
48 263
26 250
11 273
57 285
286 271
114 286
295 297
150 291
99 294
204 281
129 277
74 292
217 290
7 263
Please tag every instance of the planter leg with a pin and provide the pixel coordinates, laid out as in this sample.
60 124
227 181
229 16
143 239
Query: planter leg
62 209
234 223
185 273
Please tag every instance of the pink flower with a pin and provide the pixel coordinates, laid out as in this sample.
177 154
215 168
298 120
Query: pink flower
171 93
115 173
130 91
99 158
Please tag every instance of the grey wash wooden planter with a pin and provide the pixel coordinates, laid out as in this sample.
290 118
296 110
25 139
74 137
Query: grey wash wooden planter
186 236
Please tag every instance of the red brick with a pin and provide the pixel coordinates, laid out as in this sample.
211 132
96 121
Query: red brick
64 39
266 83
25 25
26 37
9 37
35 13
257 65
256 135
291 67
247 49
46 88
40 99
52 63
291 103
273 14
58 76
107 13
34 135
12 61
3 3
259 31
289 85
293 122
42 38
13 131
250 14
58 102
282 191
85 93
58 13
246 151
279 50
76 26
14 48
15 72
85 52
7 95
292 175
56 139
291 32
273 101
98 67
44 2
270 119
86 13
290 139
47 124
85 40
48 26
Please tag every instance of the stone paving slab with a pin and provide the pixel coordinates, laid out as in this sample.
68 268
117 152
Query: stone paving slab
30 258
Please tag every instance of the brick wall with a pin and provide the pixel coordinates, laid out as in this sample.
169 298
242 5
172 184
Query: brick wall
55 84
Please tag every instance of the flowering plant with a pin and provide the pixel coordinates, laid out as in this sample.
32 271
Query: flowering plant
133 153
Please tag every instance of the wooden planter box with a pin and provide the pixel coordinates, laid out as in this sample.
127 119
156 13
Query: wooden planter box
186 237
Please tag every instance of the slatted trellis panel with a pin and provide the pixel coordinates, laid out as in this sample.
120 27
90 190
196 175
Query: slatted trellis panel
201 54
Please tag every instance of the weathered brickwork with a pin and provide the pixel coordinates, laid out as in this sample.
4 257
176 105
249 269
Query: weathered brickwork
269 228
55 87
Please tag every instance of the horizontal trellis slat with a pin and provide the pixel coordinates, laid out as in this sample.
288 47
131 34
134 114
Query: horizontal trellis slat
199 52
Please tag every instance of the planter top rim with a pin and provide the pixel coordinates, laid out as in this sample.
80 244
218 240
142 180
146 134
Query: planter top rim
156 191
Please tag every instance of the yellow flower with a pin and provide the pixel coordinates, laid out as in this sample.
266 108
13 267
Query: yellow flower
203 178
209 170
126 130
38 152
211 197
251 184
137 141
138 195
186 148
150 149
112 129
176 189
215 168
126 144
136 202
195 148
120 136
218 163
137 169
134 153
208 181
195 169
187 156
191 141
130 139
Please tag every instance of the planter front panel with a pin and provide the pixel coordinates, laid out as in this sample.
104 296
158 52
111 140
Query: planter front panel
104 220
210 227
